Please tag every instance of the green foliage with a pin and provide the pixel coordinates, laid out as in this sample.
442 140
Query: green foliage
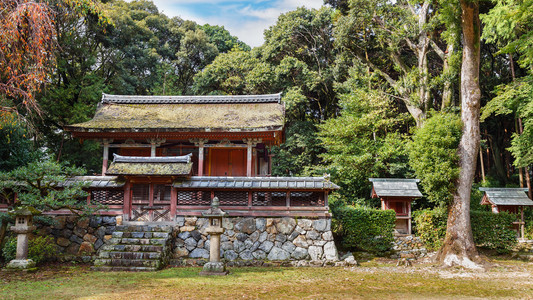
528 230
508 23
364 141
299 151
40 249
493 231
40 185
433 156
16 149
365 228
237 72
223 39
430 226
490 230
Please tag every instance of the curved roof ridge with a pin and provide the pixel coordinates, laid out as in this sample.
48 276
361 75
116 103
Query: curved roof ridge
229 99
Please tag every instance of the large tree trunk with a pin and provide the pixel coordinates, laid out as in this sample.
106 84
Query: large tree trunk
459 247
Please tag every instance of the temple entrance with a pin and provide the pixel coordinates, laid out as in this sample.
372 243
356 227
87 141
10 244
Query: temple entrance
227 162
150 203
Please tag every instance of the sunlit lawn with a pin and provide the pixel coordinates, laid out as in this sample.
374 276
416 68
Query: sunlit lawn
370 281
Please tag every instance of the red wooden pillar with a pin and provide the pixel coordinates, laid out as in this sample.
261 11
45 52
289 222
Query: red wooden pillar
409 220
249 160
105 143
200 143
250 143
173 203
126 208
200 159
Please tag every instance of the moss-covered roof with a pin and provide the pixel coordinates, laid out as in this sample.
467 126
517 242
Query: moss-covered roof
145 168
145 117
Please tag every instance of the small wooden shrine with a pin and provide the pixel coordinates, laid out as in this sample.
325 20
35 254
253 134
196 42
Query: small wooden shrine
397 194
510 200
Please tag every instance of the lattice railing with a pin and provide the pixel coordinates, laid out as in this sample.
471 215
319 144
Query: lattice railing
240 198
232 198
306 199
200 198
269 199
107 197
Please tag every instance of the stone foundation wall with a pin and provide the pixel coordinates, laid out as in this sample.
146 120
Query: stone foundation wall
77 237
256 239
524 245
408 246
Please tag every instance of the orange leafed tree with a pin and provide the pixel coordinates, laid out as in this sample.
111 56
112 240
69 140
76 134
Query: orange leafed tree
27 41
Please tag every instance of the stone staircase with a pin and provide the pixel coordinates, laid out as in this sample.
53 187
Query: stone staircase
135 248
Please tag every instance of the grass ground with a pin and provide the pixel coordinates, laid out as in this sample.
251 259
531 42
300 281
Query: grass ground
371 280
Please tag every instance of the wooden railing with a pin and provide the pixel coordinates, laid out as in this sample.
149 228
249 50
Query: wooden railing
187 202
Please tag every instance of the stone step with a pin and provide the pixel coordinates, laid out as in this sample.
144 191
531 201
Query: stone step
122 269
152 241
120 262
140 234
132 248
135 248
144 228
131 255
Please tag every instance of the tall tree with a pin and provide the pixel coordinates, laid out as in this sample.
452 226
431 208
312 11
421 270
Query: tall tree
402 42
458 247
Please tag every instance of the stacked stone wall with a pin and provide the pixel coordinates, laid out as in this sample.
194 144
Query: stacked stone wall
408 246
77 237
254 239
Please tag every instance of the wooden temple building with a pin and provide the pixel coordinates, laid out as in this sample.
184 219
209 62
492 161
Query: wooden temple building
168 156
397 194
511 200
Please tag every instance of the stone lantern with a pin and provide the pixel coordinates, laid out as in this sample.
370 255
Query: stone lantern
215 230
23 226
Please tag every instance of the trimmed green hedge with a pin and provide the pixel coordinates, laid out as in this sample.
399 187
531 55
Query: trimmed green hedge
493 231
365 229
490 230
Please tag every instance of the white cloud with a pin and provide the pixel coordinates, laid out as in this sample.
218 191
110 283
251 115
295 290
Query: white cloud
245 19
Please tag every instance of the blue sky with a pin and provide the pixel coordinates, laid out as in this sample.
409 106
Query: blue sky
245 19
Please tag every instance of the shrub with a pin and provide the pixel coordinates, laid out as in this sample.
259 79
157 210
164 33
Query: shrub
493 231
40 249
366 229
430 226
490 230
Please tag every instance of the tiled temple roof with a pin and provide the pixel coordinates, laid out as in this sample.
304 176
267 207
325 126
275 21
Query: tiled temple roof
103 182
260 183
396 187
506 196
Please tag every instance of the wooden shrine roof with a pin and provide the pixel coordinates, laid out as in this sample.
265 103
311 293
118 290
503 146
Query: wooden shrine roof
506 196
395 187
150 166
260 183
243 113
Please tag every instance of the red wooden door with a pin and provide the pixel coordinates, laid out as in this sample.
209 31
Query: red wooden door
238 162
228 162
